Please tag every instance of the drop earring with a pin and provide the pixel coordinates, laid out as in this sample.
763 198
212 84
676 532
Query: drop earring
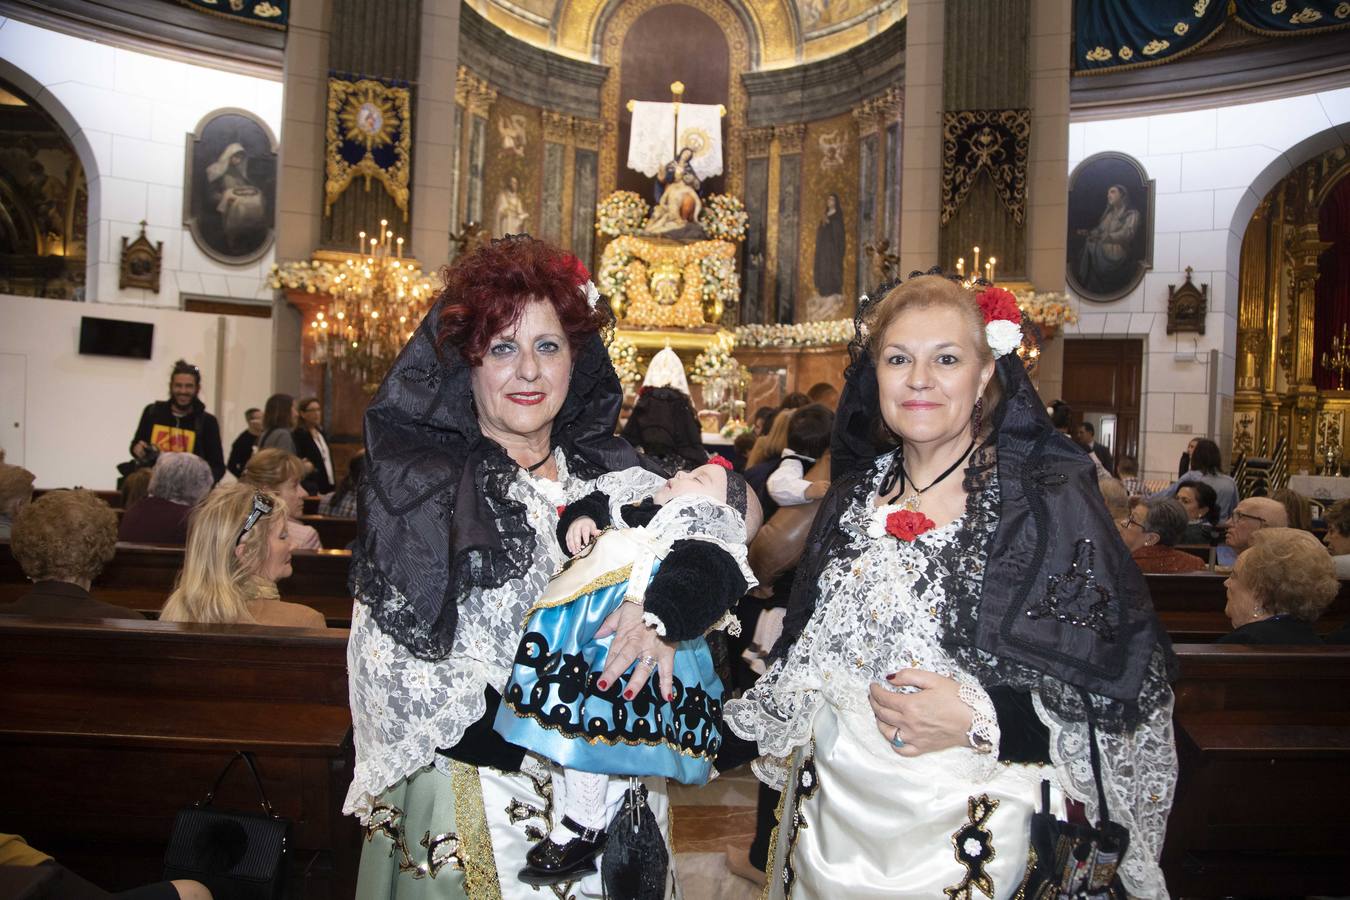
977 419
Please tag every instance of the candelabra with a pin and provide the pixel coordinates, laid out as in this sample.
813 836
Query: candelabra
1338 360
378 298
975 273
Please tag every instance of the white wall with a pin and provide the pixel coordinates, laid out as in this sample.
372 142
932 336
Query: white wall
128 114
79 412
1211 168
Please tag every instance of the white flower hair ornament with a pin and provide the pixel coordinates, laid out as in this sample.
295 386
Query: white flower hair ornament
1002 320
592 295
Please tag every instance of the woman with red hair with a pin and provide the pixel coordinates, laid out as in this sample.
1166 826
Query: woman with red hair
498 413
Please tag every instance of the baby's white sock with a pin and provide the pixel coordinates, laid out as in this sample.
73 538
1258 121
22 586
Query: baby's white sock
583 802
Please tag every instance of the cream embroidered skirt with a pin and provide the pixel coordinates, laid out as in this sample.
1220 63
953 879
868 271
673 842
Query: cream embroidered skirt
438 836
857 825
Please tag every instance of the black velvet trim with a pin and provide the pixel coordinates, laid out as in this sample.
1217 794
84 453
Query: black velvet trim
696 584
482 746
637 515
1023 737
735 751
594 506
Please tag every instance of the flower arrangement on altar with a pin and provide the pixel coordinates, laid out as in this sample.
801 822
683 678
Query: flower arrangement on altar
735 428
624 355
803 334
1048 309
724 218
622 212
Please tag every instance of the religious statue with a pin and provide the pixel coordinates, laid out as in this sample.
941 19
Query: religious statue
678 207
511 213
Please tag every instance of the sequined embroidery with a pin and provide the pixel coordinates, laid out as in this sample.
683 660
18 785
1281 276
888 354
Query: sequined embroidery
974 846
804 787
442 850
475 844
1071 593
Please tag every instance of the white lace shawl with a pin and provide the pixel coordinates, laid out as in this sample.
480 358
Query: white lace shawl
880 612
405 708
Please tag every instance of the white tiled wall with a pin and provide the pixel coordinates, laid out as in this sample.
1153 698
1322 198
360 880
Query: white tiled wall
129 114
1211 168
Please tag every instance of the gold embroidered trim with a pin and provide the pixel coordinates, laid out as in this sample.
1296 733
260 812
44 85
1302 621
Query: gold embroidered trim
1026 876
609 579
475 844
978 809
773 845
600 739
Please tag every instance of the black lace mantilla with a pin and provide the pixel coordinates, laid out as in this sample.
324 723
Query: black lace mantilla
437 524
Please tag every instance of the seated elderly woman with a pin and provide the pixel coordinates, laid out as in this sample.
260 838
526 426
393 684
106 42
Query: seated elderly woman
1338 537
62 541
16 489
1280 586
237 551
280 472
178 482
1152 540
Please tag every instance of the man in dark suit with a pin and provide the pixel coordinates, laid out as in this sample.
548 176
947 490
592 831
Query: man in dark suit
1087 437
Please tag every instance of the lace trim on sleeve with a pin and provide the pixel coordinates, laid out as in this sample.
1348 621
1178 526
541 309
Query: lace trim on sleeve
627 486
984 733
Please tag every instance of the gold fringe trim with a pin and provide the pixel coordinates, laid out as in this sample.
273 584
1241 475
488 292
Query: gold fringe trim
275 26
609 579
1147 64
600 739
770 876
1266 32
480 866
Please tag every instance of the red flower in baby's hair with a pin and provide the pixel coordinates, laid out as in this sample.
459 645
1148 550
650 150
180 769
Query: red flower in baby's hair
718 459
906 524
997 303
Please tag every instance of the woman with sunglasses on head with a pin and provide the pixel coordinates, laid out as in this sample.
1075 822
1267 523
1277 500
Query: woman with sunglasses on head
237 551
280 472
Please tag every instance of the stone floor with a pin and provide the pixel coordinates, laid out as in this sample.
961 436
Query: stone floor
707 819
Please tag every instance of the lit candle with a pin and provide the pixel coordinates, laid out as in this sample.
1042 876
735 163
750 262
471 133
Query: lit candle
976 271
961 266
360 244
400 248
991 269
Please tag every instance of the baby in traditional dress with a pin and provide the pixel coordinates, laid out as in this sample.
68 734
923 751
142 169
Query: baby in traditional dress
677 548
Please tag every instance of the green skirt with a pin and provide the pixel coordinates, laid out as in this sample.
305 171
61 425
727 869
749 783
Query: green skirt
463 833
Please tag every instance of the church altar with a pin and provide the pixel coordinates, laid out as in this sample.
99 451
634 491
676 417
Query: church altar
655 282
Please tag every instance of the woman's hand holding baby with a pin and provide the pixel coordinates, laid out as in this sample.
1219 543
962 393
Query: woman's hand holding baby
633 640
580 533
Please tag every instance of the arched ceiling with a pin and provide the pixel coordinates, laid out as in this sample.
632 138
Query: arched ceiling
784 32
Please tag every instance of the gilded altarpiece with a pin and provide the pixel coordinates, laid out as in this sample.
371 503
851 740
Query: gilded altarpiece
1276 396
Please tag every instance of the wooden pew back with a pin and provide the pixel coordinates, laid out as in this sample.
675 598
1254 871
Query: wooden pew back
109 727
1263 741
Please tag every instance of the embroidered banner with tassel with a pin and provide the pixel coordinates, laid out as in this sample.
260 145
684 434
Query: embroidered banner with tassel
369 136
995 141
268 13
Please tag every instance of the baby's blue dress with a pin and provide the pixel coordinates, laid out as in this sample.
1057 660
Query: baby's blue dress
553 705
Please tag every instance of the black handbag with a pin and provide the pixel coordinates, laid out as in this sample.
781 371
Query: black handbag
1072 861
237 855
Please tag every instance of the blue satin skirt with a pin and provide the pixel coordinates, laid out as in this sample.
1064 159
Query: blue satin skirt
553 705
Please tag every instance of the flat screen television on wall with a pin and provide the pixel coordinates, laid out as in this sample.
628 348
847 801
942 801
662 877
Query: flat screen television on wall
114 337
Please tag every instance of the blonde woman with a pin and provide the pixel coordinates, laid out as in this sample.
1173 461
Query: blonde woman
237 551
280 472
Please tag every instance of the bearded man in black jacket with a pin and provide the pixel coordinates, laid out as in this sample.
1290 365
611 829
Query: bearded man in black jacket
180 424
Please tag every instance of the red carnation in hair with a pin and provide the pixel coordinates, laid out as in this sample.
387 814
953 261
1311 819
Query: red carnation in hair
998 303
718 459
579 268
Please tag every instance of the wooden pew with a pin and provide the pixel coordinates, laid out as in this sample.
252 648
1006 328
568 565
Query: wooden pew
109 727
141 576
1191 606
335 532
1263 738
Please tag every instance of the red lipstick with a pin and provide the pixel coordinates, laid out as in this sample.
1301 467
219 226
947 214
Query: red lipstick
526 398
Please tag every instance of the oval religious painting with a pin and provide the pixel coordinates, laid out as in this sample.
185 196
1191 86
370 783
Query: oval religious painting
230 186
1110 241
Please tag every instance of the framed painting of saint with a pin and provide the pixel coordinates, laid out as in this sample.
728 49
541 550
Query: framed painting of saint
1110 240
230 186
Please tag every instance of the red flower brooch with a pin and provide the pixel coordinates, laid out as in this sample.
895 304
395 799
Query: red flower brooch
907 524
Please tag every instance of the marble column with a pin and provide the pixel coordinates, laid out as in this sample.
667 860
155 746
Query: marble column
921 157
